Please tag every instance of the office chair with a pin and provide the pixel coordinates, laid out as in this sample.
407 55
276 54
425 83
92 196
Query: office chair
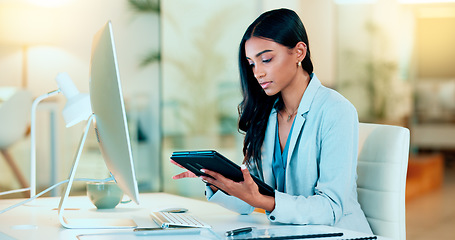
381 183
15 105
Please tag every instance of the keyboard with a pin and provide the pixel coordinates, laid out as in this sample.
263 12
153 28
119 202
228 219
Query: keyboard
168 219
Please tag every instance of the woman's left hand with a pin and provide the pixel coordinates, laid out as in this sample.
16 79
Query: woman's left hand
246 190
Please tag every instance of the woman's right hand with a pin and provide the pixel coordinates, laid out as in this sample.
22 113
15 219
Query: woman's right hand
186 174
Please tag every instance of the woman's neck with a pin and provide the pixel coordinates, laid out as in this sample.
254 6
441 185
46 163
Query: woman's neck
292 95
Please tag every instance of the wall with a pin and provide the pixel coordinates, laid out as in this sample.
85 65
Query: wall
74 24
374 47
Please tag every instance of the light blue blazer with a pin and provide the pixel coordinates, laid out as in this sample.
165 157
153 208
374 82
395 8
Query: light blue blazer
321 165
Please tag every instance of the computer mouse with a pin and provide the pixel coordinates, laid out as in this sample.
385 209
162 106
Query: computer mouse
174 210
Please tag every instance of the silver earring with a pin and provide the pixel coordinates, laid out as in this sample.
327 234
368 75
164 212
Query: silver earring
299 64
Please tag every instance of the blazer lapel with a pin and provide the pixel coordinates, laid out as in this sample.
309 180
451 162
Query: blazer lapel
268 149
302 111
298 125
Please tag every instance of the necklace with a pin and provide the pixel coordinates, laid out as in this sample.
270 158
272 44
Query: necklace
290 114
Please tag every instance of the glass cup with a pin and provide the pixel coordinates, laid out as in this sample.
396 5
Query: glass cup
105 195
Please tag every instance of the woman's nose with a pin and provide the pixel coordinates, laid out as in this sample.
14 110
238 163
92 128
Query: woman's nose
258 73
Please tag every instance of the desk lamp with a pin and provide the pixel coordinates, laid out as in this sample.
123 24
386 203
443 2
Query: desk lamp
77 109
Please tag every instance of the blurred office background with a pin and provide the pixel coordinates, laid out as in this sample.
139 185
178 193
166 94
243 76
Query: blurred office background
393 59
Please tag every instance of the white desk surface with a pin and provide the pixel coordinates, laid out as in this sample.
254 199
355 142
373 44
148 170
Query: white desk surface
39 220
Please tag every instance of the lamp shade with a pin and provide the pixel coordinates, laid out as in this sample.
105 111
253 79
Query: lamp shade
77 107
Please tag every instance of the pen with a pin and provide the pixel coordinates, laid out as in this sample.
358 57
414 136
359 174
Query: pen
238 231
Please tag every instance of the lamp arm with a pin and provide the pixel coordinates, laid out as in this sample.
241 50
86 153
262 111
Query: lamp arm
33 141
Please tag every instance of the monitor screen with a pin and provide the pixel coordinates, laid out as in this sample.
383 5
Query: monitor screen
108 107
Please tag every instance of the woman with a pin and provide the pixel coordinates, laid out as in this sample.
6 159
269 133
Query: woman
300 137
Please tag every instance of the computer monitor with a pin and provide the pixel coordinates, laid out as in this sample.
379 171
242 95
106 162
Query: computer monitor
110 119
110 127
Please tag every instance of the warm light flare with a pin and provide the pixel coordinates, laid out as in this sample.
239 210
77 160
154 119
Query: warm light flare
27 25
424 1
49 3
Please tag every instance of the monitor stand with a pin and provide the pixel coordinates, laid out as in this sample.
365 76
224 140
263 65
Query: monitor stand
89 222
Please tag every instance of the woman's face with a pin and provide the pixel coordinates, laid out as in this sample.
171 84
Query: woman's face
274 65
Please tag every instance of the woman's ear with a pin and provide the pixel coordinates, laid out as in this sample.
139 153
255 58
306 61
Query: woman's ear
301 50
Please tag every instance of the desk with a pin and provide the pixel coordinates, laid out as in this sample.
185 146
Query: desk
38 220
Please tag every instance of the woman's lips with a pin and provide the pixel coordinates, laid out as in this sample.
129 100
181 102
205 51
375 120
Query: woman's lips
264 85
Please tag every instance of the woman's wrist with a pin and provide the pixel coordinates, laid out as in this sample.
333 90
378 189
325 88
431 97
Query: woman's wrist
265 202
214 189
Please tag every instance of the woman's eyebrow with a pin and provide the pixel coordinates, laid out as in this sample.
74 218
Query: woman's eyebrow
261 52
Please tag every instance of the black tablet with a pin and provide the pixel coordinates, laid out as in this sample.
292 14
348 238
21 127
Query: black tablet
212 160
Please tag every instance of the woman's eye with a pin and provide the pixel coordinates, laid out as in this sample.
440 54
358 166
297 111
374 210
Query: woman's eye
251 64
266 60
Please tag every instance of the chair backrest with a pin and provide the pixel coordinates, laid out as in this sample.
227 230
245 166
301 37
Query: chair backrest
381 182
15 108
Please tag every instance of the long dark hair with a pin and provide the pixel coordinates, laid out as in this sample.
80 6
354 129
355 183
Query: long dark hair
282 26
